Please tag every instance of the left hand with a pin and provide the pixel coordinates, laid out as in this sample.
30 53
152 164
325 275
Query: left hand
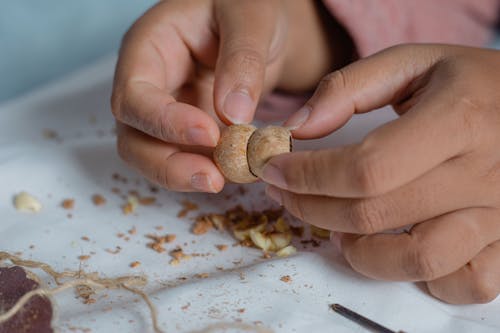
436 168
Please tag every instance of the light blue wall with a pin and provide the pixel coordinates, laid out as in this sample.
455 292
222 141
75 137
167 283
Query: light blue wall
43 39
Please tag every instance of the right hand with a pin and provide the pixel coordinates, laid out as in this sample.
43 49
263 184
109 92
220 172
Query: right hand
185 61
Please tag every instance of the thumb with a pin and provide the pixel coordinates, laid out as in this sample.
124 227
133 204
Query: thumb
246 29
360 87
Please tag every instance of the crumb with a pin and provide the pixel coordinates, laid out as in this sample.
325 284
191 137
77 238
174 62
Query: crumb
159 227
98 200
116 190
221 247
187 206
115 251
25 202
286 278
266 255
174 262
158 241
185 307
83 257
120 235
178 254
130 206
85 238
132 231
32 246
68 203
202 275
202 225
135 264
147 201
242 310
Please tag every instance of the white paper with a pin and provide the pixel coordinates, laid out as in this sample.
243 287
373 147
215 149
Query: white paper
77 108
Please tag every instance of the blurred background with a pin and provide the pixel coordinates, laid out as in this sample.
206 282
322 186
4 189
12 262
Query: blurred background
42 40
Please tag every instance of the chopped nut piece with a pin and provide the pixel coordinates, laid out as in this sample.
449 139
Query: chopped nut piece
132 231
286 278
202 275
85 238
158 242
174 262
202 225
221 247
68 203
219 221
287 251
135 264
187 206
98 200
130 206
320 232
25 202
147 201
115 251
241 310
83 257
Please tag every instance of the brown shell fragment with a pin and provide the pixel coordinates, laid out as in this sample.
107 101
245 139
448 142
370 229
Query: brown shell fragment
230 155
35 316
266 143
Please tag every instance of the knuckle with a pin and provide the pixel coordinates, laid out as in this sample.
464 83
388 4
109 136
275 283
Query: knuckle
366 216
334 81
420 263
368 171
482 289
161 177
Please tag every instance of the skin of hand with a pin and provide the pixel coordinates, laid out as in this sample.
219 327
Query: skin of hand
186 63
435 170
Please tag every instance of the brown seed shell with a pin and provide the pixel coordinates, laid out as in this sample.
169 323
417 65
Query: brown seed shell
266 143
230 155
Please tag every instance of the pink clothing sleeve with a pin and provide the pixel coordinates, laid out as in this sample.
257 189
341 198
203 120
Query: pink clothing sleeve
376 24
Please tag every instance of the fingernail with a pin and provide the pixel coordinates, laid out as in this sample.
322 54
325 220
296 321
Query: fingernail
238 107
336 239
274 193
274 176
201 182
298 118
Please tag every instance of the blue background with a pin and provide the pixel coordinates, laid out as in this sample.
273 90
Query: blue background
43 39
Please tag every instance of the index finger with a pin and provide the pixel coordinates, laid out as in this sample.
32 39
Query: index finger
154 62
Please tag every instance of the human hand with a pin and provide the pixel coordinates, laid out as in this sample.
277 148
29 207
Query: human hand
436 169
185 61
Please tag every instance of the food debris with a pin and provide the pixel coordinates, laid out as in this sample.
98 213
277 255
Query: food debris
135 264
130 206
287 251
50 134
132 231
242 310
187 206
202 225
320 232
158 241
185 307
147 201
202 275
85 238
286 278
178 255
85 293
98 200
115 251
68 203
84 257
221 247
25 202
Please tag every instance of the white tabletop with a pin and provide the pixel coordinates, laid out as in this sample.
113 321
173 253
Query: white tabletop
81 164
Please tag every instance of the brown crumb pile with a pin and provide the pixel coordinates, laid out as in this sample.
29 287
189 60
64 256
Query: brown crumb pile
68 203
268 230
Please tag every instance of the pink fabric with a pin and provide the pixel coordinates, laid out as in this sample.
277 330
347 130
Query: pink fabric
376 24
